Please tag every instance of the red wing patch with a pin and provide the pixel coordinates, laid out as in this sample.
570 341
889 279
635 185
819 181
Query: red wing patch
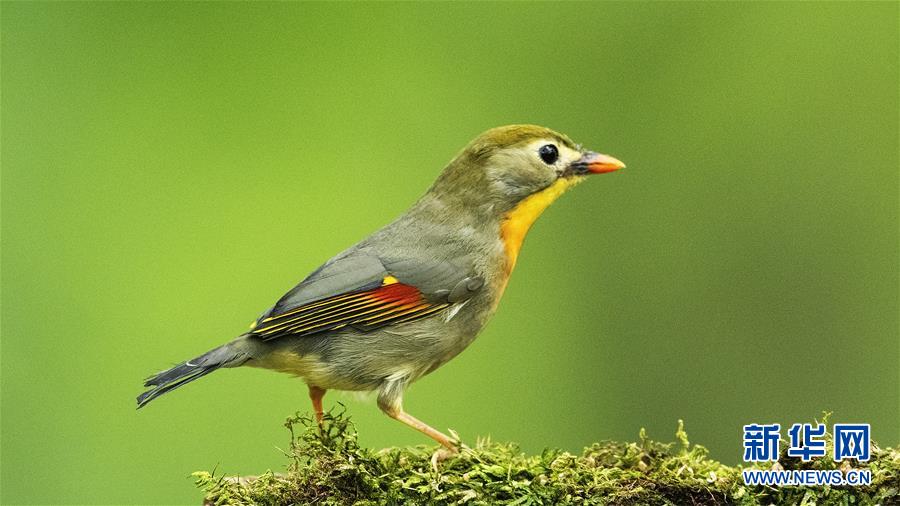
392 302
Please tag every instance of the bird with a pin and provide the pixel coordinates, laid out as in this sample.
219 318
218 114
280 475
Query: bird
414 294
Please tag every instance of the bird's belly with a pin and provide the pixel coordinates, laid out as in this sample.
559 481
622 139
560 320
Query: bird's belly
311 368
288 361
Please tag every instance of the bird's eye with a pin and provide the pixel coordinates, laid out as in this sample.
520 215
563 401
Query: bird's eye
549 154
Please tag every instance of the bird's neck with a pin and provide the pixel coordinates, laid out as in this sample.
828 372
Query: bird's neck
514 224
453 217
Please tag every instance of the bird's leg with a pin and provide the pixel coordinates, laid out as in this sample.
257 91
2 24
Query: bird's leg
391 402
424 428
316 394
449 449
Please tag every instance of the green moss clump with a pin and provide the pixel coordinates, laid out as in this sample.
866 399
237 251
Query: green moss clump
329 467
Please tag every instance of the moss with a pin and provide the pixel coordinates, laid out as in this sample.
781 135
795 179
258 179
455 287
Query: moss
329 467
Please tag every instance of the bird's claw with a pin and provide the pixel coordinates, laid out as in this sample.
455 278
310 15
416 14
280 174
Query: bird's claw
441 455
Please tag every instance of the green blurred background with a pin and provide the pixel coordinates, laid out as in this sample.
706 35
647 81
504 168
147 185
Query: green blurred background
169 170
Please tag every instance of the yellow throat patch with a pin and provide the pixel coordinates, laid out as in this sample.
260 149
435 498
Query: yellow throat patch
516 223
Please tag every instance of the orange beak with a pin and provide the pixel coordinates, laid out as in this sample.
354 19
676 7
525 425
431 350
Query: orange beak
593 163
600 164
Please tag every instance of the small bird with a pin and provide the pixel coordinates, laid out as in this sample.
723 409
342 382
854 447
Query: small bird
404 301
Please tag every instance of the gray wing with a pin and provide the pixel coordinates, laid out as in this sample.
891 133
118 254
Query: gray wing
367 291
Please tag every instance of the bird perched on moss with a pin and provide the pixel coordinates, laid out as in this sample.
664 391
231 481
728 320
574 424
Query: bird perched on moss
405 300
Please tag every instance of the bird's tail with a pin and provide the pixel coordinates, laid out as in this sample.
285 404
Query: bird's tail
170 379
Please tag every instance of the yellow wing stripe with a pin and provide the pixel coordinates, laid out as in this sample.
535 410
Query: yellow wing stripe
293 324
342 307
313 305
388 280
400 311
306 327
435 309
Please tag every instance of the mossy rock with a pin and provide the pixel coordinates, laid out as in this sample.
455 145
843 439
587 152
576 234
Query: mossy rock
329 467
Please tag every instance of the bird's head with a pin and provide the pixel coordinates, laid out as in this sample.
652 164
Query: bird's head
512 173
506 165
